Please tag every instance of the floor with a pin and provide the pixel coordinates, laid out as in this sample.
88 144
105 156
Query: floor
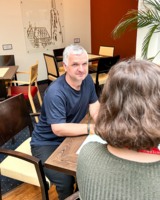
29 192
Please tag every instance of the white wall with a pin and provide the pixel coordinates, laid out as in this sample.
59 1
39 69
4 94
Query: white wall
76 23
154 46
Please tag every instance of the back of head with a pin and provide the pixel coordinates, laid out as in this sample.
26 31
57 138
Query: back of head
75 49
130 106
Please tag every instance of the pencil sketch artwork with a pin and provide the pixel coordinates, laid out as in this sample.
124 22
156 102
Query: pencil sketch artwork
43 24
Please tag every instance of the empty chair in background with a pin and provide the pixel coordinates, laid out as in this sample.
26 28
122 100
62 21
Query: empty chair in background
52 68
28 91
58 53
104 65
103 51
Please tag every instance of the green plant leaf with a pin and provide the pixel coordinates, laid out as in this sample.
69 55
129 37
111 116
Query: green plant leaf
147 39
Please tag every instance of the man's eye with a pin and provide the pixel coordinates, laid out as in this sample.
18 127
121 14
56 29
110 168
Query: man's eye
74 64
84 64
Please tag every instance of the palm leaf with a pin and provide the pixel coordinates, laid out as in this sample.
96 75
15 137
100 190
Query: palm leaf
155 4
147 39
152 58
138 19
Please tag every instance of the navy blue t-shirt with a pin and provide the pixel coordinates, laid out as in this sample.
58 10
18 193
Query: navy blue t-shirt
62 104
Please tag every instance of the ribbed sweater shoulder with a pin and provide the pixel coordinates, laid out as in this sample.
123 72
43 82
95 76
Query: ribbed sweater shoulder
103 176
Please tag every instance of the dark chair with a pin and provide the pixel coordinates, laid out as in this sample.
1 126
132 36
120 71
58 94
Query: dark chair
3 92
8 60
19 163
104 65
52 68
58 53
103 51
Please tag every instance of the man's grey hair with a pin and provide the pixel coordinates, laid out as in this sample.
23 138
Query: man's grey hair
75 49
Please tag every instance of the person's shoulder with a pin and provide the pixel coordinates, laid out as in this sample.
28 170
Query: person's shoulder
88 80
91 147
88 77
56 86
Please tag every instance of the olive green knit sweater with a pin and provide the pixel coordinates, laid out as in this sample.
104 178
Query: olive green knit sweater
103 176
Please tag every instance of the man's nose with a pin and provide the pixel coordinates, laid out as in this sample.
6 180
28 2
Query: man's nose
80 68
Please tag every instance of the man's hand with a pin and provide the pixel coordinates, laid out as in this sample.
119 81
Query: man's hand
94 109
92 126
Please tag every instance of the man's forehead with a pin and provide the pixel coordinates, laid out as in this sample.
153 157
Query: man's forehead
77 57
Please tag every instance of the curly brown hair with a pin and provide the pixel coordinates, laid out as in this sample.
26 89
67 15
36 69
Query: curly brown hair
129 113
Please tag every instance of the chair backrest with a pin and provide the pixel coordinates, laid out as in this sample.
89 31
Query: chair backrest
7 60
58 52
3 92
51 64
14 117
33 73
106 51
105 64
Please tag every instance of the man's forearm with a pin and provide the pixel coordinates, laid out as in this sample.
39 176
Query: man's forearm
70 129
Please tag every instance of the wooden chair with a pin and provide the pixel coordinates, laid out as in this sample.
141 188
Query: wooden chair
58 53
103 51
3 92
52 68
104 65
19 163
28 91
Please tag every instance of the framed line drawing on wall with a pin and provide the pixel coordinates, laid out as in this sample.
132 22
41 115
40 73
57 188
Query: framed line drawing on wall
43 24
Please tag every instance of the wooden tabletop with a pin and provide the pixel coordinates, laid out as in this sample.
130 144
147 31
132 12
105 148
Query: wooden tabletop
64 158
91 57
10 72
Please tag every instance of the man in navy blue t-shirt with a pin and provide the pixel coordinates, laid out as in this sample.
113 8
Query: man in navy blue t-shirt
64 105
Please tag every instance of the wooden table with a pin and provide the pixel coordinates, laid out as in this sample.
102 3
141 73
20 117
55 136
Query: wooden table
9 75
64 158
91 57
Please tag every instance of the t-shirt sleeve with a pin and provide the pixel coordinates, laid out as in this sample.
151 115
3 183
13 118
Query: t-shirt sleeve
55 108
93 96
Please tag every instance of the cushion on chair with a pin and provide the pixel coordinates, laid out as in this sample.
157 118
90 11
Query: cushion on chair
51 78
101 78
61 73
19 169
15 90
61 69
93 67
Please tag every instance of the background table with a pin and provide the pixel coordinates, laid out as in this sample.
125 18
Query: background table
64 158
9 75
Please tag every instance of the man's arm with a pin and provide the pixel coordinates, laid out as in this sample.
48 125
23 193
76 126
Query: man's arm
94 109
74 129
69 129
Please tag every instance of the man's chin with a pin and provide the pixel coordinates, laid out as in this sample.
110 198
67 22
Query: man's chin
81 77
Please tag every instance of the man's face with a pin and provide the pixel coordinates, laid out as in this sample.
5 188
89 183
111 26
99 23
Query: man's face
77 68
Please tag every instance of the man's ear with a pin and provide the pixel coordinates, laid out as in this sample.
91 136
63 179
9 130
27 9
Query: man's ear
65 67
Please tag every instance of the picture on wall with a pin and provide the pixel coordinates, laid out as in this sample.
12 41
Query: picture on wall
43 24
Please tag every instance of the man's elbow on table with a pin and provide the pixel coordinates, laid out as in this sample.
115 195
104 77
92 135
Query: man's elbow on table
57 129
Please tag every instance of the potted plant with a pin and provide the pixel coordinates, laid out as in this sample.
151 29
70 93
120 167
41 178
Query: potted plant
134 19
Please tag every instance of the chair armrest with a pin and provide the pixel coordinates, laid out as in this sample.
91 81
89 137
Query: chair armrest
73 196
24 82
21 72
34 114
37 163
20 155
